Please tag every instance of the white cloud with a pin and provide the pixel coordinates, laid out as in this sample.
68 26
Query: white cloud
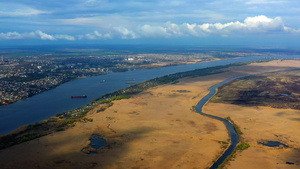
34 35
153 31
250 26
126 33
95 35
10 35
18 10
44 36
64 37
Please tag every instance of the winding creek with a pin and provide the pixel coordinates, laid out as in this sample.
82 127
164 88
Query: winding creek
232 132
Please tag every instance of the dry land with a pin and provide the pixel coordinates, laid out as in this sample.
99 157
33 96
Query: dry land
158 128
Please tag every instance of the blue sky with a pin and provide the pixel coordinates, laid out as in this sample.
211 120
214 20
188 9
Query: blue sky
253 22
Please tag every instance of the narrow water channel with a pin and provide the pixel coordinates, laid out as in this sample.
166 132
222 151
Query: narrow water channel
233 134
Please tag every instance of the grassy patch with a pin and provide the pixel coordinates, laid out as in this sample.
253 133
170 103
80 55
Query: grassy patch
236 127
242 146
134 112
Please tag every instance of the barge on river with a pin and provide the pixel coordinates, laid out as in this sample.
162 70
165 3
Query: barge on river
83 96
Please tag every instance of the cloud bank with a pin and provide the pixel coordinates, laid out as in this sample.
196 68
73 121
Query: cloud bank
34 35
260 25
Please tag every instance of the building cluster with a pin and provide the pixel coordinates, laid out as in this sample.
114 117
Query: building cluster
13 91
25 76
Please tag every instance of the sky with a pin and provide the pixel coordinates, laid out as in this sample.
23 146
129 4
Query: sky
203 22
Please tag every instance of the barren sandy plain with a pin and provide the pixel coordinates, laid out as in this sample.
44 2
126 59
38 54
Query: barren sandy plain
158 128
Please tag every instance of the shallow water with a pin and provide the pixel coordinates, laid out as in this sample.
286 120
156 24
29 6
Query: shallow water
273 144
97 143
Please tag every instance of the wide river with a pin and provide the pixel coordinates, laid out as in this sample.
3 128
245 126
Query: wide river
58 100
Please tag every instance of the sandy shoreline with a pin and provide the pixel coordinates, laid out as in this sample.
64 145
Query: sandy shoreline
156 129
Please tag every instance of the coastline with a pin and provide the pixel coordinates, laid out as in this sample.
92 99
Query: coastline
156 103
152 66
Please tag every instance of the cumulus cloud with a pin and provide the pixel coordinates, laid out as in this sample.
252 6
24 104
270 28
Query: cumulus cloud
95 35
34 35
250 26
153 31
10 35
44 36
257 24
126 33
64 37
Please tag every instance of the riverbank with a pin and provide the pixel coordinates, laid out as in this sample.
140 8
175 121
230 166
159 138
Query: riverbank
17 90
261 124
156 129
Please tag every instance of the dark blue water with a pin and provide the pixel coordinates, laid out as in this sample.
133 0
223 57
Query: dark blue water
97 142
233 134
58 100
272 144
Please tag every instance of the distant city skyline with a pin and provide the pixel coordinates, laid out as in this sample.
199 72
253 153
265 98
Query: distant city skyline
201 22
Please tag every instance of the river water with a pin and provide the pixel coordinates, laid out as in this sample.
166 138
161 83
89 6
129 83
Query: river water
233 135
58 100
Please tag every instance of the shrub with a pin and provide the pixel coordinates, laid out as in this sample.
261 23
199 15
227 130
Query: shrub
243 146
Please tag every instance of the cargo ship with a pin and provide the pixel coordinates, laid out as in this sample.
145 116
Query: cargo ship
83 96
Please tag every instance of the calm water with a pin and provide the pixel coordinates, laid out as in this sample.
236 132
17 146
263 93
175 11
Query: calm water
58 100
273 144
233 135
97 143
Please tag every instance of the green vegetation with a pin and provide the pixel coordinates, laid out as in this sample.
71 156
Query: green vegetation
37 130
223 142
59 129
175 82
101 109
104 101
8 141
86 119
242 146
68 121
236 127
120 97
134 112
239 147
